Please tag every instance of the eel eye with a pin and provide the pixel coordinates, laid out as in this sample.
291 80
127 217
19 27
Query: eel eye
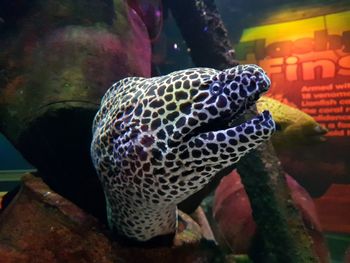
215 88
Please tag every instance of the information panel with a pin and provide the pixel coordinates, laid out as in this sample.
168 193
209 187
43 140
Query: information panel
308 62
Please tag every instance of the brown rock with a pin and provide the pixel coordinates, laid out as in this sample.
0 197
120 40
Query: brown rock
41 226
199 216
237 229
57 60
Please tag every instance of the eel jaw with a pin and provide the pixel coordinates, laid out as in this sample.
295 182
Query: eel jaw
265 120
261 127
220 123
238 140
245 107
261 122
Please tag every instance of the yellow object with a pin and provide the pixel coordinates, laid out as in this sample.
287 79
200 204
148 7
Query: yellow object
294 127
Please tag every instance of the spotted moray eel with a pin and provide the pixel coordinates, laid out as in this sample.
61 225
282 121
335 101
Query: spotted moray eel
156 141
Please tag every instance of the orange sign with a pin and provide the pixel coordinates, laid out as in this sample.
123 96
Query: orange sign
308 62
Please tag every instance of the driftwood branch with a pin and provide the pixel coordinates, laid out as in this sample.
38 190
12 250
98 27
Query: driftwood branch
282 232
205 34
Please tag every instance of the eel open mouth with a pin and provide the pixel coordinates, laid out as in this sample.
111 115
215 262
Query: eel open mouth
223 123
317 134
220 123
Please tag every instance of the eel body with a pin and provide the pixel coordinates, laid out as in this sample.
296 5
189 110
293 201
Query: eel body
158 140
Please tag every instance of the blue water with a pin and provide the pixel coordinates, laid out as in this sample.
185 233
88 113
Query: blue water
10 158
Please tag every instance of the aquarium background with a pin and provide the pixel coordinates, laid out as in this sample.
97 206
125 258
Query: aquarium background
308 60
12 166
305 49
11 159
